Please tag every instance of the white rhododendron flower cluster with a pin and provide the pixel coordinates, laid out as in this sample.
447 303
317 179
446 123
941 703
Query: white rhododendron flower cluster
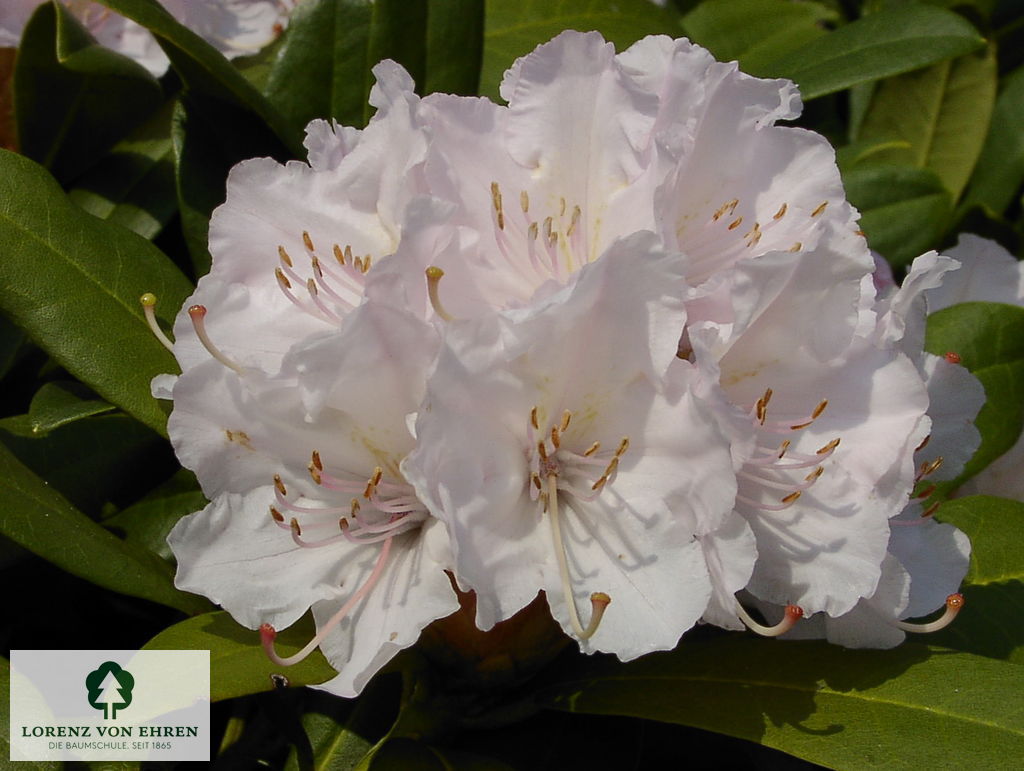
233 27
617 342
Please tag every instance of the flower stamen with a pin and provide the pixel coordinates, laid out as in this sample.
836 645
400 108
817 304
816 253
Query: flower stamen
268 633
434 276
792 615
148 301
198 315
954 603
598 600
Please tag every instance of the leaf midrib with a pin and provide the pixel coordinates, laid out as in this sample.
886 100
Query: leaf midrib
784 686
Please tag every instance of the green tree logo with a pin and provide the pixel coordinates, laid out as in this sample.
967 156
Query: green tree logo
110 688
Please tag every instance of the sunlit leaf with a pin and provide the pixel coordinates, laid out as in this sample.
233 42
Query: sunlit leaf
133 185
898 39
941 112
59 403
756 32
907 708
73 282
904 210
39 519
1000 169
989 337
992 621
238 665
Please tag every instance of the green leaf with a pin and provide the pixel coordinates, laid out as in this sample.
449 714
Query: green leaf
73 282
1000 170
39 519
148 522
210 136
992 621
895 40
5 725
58 403
942 112
133 185
342 732
455 46
11 341
513 28
204 70
756 32
324 67
990 340
95 462
238 665
904 210
908 708
74 98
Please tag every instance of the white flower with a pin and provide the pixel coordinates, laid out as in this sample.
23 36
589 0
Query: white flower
925 561
564 448
989 274
308 507
234 27
293 400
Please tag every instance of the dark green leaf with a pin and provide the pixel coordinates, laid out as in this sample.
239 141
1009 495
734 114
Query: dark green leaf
5 725
904 210
412 755
58 403
73 282
204 70
908 708
74 98
990 340
513 28
39 519
323 69
895 40
341 731
133 185
455 45
238 665
1000 169
148 522
941 112
11 340
210 136
95 462
992 621
756 32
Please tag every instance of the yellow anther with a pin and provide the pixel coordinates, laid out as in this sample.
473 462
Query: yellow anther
277 515
592 449
282 279
735 223
283 255
306 240
820 209
780 213
280 485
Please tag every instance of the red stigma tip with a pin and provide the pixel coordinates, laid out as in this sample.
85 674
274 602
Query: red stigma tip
955 601
794 612
197 311
267 632
953 357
